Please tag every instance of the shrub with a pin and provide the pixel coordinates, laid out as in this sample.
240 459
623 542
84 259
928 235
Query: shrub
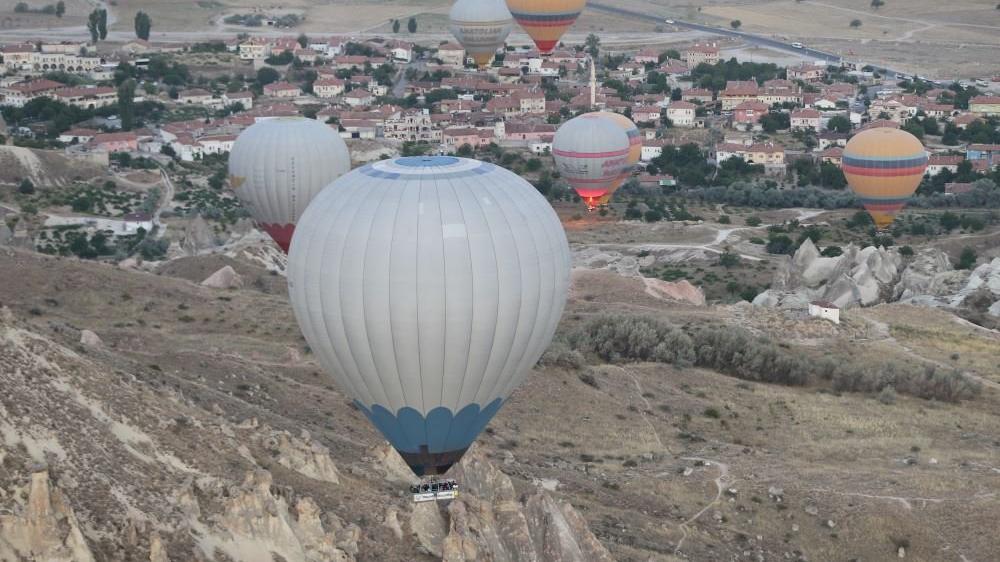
728 259
832 251
887 396
712 413
652 215
929 383
561 355
905 251
753 220
621 338
780 244
967 259
589 379
736 352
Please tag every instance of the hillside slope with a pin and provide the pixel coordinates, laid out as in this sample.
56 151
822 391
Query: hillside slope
192 424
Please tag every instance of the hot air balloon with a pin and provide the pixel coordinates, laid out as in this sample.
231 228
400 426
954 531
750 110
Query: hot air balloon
591 154
635 146
481 26
428 287
277 166
545 21
884 166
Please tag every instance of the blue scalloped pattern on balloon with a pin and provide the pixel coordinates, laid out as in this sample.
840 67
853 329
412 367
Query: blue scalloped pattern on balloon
441 431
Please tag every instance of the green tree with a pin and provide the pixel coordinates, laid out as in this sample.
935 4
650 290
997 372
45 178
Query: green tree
876 4
143 24
592 45
735 24
26 187
267 76
855 23
60 8
102 23
411 25
967 259
303 40
780 244
728 259
126 104
93 25
931 126
395 26
949 221
652 215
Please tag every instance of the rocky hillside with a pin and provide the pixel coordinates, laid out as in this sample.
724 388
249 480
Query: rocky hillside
868 276
44 167
104 458
153 416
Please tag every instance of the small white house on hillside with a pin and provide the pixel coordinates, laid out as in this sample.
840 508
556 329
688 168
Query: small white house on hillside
825 310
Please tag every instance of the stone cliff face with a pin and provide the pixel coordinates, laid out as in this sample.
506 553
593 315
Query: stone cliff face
867 276
43 527
858 277
489 522
255 525
96 432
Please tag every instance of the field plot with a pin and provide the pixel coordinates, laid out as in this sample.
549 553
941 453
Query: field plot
76 14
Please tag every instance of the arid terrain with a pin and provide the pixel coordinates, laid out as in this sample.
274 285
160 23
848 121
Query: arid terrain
147 423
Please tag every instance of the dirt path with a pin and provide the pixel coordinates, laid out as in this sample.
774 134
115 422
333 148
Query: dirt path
908 502
720 485
648 407
721 481
167 199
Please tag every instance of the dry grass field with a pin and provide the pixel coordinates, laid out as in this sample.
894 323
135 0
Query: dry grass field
76 14
942 39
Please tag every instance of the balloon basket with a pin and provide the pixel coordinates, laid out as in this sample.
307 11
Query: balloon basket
434 491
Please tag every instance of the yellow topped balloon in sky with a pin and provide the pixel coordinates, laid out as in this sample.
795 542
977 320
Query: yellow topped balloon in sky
884 167
545 21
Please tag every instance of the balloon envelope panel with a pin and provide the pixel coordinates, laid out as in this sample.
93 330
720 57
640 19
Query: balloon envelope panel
545 21
884 167
635 147
481 26
591 154
428 288
278 166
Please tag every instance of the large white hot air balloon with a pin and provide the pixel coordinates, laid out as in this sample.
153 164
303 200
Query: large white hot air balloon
592 155
481 26
277 166
428 287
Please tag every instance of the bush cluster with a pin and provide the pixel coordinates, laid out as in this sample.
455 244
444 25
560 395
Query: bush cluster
737 352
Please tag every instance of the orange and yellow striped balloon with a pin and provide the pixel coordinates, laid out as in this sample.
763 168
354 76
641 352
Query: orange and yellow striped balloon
545 21
884 167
